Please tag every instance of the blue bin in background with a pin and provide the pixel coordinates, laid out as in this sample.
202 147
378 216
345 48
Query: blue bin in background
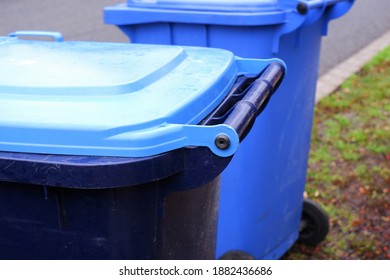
114 151
261 203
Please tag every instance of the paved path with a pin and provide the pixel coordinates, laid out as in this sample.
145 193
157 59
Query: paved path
82 20
332 79
75 19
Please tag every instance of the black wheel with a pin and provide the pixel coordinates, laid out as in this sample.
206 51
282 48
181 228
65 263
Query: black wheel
236 255
314 224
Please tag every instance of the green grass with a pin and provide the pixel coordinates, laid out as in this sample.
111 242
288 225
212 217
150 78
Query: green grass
349 165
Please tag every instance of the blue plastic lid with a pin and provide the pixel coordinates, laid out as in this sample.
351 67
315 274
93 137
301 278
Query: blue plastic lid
107 99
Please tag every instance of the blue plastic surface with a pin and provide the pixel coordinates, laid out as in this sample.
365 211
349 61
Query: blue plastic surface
209 5
262 188
105 99
216 12
214 23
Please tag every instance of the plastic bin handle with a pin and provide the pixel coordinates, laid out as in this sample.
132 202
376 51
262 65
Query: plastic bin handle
55 35
253 103
304 6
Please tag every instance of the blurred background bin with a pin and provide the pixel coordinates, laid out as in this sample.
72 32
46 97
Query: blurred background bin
114 151
262 189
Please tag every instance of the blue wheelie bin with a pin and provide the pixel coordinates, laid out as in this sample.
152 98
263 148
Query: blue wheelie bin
262 210
114 151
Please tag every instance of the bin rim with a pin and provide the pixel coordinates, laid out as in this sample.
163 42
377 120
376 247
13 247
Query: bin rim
233 6
123 14
285 16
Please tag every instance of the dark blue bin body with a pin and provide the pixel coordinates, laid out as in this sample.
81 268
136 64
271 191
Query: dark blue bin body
262 189
68 207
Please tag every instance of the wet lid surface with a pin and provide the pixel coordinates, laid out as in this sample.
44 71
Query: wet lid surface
105 98
83 68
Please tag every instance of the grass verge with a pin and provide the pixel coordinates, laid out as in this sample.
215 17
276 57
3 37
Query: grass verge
349 166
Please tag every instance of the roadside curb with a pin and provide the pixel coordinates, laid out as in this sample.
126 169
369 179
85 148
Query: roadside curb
331 80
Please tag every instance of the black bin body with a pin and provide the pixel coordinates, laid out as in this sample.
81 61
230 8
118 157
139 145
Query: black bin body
62 207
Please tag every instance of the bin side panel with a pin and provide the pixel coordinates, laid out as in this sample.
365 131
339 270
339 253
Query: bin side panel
190 217
262 188
250 41
146 221
77 224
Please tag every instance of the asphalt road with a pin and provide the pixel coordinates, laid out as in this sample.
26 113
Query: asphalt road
366 21
82 20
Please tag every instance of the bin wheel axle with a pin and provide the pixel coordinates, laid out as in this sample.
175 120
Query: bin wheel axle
236 255
314 224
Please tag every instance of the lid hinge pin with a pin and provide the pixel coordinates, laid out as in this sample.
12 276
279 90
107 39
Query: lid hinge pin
222 141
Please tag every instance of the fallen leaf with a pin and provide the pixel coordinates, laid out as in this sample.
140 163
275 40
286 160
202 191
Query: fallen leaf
357 222
363 190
